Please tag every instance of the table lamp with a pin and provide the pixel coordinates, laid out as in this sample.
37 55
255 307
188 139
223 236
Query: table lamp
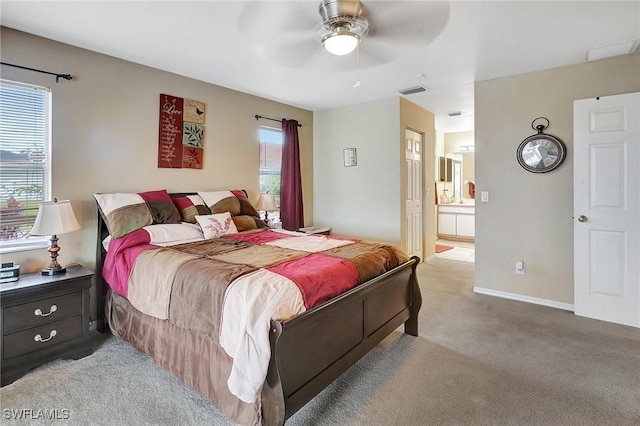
266 203
54 218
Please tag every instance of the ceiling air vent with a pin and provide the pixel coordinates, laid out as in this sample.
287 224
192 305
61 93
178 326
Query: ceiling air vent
616 49
412 90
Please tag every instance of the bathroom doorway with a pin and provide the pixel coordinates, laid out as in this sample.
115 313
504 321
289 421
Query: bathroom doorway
455 185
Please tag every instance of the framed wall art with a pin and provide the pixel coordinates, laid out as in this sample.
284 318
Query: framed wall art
350 157
181 133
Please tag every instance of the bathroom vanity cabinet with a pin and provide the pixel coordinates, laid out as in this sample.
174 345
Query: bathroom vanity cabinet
456 222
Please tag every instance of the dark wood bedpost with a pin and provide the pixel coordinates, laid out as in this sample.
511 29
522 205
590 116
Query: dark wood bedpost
103 232
273 401
411 325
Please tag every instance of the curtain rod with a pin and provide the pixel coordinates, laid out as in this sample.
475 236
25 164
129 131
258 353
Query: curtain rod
272 119
58 76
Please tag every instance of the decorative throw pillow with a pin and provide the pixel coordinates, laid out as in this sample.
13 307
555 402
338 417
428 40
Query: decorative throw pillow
161 206
247 222
221 201
216 225
246 208
123 213
191 206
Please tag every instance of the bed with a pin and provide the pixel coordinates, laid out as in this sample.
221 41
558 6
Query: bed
308 346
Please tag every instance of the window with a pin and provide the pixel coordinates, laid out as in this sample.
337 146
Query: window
24 159
270 160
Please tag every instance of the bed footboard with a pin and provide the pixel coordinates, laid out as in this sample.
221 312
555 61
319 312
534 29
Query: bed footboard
310 351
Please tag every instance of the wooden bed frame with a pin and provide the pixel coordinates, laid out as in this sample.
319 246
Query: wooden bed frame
311 350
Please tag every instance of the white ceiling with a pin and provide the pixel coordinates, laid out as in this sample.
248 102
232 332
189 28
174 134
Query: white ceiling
270 48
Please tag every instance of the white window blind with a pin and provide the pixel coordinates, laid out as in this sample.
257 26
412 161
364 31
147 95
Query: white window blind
270 160
24 157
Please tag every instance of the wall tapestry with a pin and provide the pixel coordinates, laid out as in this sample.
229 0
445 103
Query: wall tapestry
181 133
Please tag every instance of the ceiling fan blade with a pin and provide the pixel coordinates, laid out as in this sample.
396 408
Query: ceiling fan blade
409 22
366 57
262 19
293 54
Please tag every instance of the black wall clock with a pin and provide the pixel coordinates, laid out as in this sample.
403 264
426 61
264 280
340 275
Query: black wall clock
541 153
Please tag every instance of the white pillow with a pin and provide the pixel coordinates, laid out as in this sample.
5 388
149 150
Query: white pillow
173 233
168 234
216 225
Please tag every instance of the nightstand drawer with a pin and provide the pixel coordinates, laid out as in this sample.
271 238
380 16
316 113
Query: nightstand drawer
41 312
50 334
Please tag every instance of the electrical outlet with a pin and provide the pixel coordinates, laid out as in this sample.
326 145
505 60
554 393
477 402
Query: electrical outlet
520 267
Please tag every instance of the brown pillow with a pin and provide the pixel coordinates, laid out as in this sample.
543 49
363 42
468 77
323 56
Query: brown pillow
246 208
161 206
247 223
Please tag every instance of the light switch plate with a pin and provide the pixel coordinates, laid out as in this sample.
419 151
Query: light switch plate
484 196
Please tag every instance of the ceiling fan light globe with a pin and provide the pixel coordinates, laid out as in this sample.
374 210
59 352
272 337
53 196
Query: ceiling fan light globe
341 43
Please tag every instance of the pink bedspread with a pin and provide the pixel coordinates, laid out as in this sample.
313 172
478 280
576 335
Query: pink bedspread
121 256
318 276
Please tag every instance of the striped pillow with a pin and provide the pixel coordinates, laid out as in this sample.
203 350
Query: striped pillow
236 202
190 206
221 201
161 207
123 213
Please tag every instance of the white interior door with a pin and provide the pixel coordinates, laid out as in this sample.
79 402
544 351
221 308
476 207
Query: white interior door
607 208
413 197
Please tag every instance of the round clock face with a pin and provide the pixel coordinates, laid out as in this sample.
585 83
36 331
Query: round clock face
541 153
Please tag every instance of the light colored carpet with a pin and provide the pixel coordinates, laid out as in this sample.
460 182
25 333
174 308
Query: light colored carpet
479 361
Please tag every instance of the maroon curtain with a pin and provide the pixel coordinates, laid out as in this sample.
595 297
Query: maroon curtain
291 212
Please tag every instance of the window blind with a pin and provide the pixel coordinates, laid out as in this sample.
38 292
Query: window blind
270 160
270 150
24 156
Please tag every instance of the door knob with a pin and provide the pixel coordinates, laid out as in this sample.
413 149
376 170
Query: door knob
582 218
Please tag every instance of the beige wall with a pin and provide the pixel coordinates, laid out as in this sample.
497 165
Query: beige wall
366 201
105 134
529 216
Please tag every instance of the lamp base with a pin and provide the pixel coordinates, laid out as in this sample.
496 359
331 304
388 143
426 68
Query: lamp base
54 267
54 271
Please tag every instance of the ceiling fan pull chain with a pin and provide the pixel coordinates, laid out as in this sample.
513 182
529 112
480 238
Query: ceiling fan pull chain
357 83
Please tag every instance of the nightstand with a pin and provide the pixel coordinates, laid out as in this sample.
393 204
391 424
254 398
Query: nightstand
316 230
44 318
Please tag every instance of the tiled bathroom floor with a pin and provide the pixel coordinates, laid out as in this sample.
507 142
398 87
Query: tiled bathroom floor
461 251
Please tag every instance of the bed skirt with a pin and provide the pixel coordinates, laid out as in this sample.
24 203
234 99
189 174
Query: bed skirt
194 357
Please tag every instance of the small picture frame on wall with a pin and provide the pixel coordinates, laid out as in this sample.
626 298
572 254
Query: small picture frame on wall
350 157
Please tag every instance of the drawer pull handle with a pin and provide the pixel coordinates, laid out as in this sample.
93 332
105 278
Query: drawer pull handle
38 312
39 338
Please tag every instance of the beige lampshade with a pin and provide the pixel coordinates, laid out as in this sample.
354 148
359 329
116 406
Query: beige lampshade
55 218
267 202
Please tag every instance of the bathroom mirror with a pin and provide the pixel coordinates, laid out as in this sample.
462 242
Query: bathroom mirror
445 169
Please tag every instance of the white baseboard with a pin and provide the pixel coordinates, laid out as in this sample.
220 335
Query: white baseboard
428 258
522 298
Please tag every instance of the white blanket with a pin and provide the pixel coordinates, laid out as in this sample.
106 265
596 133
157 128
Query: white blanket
251 302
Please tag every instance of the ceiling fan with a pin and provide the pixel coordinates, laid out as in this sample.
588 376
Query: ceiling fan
345 25
293 33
